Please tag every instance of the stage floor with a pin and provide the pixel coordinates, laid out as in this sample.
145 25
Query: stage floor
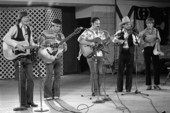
75 90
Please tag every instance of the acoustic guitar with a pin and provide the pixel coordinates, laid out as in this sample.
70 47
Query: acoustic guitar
50 52
11 53
89 51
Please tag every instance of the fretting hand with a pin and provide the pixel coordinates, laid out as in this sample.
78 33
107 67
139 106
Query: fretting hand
20 47
92 44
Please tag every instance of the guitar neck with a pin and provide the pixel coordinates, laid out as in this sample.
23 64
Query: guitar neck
66 39
30 47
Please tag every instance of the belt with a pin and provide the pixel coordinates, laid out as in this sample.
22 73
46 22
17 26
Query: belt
125 48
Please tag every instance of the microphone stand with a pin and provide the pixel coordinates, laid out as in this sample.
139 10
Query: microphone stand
21 108
106 97
41 86
136 74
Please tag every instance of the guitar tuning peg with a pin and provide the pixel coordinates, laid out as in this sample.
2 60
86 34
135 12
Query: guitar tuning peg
82 28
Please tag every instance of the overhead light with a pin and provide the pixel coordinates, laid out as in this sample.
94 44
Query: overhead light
50 3
56 3
29 3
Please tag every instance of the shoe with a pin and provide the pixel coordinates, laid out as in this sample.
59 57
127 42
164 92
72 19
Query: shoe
93 94
32 104
128 90
149 88
55 97
118 90
48 98
157 87
25 105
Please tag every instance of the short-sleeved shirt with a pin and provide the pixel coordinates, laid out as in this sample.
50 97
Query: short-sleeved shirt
49 37
89 34
149 39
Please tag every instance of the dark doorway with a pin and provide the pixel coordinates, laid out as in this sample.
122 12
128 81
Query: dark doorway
85 23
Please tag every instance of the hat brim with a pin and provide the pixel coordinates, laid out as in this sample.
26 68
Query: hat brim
21 15
122 23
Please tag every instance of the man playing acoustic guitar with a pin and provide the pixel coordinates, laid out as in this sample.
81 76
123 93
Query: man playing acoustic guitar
18 37
50 37
88 40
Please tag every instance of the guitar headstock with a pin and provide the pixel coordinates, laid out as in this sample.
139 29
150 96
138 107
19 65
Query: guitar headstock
78 30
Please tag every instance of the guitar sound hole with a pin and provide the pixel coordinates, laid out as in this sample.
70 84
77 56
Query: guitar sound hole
17 52
52 53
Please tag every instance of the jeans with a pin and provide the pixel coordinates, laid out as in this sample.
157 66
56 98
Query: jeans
26 86
53 76
96 72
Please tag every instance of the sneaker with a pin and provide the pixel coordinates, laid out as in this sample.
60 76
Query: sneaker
48 98
55 97
93 94
149 88
157 87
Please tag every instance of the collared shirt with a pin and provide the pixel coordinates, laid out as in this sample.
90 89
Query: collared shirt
149 38
89 34
135 38
13 32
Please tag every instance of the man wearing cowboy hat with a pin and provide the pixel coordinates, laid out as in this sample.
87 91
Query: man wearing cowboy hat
18 37
127 41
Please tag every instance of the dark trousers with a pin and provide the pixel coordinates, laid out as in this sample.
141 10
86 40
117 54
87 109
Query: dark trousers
26 79
96 72
126 61
53 76
149 58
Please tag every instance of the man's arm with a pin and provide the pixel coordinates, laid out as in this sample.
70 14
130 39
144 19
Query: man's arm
9 35
32 43
115 38
158 36
41 39
64 44
82 37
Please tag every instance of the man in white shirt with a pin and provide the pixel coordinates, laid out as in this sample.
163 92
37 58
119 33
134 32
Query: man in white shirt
18 37
95 60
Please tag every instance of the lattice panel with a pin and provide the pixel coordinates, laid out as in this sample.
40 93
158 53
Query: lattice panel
40 19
